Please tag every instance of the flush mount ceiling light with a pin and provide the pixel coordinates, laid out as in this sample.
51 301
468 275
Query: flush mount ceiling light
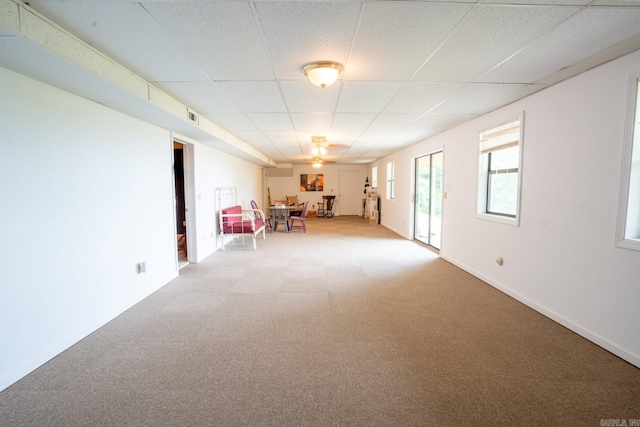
319 144
322 73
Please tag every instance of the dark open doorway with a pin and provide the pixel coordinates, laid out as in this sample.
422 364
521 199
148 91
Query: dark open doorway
181 217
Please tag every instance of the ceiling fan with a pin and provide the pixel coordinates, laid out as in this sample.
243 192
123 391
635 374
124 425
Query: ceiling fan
318 161
318 150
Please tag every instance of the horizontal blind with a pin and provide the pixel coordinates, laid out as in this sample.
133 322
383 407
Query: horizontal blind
500 137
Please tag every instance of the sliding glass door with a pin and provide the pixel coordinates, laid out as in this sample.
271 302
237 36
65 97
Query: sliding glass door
428 206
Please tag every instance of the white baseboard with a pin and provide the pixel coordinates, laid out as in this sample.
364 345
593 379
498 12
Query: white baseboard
595 338
16 373
30 365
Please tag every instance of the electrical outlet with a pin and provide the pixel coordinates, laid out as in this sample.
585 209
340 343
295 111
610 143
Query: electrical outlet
142 267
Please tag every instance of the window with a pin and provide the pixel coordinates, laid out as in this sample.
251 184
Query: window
499 172
374 177
628 232
390 186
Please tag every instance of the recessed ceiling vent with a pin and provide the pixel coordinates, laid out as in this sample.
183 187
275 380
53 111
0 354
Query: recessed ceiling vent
193 117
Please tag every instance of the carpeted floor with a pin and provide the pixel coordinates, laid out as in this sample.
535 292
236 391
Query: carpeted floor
346 325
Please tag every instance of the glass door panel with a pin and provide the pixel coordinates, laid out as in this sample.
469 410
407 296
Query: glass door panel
428 206
423 202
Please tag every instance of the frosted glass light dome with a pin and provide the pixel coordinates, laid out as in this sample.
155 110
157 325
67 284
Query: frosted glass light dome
322 73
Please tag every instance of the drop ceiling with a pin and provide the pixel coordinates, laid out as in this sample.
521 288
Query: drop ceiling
412 68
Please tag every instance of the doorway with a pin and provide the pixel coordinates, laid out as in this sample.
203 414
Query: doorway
428 206
180 203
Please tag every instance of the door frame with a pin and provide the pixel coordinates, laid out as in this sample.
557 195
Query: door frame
415 212
189 197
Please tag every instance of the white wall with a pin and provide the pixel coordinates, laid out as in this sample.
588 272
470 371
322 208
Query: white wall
217 169
87 194
561 260
280 187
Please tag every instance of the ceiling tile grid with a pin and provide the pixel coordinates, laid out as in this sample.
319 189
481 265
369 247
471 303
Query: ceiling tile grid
580 36
395 39
411 68
221 37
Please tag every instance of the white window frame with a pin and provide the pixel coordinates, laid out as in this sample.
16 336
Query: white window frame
390 180
631 149
483 173
374 177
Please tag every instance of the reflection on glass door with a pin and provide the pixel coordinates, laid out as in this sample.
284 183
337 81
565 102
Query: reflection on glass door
428 214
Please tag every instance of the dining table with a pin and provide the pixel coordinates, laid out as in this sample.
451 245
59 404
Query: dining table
281 214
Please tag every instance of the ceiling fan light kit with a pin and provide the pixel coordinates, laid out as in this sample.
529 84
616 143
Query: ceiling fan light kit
322 73
318 149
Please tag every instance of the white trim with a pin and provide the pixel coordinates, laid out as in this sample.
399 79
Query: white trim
481 203
189 194
625 170
499 218
634 359
391 186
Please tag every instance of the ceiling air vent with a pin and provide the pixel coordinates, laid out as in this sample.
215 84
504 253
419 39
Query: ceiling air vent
193 117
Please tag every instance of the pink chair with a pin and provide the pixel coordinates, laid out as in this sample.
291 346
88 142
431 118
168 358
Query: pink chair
301 219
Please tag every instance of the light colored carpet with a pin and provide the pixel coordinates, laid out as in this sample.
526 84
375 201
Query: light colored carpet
346 325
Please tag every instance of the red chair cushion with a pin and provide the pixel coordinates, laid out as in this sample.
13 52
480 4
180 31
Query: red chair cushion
228 220
235 224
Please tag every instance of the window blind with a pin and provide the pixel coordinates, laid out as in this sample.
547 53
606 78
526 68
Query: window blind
500 137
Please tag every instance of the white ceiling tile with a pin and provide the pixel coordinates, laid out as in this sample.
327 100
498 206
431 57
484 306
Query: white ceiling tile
220 36
375 153
351 121
359 147
232 121
304 97
431 124
203 97
283 136
393 144
343 137
464 57
314 31
271 121
314 123
584 34
375 136
254 97
251 136
290 151
407 137
392 122
395 38
337 149
253 52
478 98
127 34
366 97
417 98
